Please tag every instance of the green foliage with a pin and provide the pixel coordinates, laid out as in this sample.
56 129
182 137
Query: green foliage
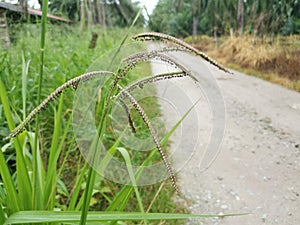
69 8
115 13
67 55
122 13
170 19
35 187
95 217
261 17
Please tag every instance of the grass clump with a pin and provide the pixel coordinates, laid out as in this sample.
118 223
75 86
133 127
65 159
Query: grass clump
58 184
273 59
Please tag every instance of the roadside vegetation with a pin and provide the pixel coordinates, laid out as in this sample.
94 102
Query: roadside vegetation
273 59
41 168
59 170
44 178
257 37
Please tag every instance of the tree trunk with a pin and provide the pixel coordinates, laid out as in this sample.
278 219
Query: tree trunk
240 17
216 35
179 5
196 8
89 11
96 17
102 14
82 15
195 25
122 13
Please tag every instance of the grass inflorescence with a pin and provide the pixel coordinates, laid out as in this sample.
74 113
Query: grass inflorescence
51 97
82 193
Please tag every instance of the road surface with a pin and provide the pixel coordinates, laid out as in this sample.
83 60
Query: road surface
257 170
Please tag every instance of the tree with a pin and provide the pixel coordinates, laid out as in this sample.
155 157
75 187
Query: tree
172 17
240 17
124 12
217 17
196 7
69 8
118 12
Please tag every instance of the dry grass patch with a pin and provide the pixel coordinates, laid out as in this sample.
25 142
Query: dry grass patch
273 59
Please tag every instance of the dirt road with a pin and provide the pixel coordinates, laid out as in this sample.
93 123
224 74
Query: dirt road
257 170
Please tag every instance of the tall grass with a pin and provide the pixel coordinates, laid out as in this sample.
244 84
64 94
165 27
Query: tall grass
35 190
274 59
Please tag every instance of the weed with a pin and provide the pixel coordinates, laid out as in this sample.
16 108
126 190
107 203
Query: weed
276 60
112 90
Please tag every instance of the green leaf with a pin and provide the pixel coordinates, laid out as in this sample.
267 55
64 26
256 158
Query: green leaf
2 214
12 197
25 217
37 162
123 196
24 184
25 67
126 157
55 150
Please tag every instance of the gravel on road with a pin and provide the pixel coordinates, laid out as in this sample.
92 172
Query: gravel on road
258 166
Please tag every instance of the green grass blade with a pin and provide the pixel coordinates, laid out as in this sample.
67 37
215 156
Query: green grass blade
24 183
94 151
11 193
39 173
87 196
126 157
55 150
76 190
6 107
2 215
92 173
120 201
166 138
122 198
26 217
53 176
37 183
110 154
25 67
126 36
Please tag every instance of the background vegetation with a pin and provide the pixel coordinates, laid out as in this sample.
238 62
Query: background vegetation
52 175
257 37
62 172
192 17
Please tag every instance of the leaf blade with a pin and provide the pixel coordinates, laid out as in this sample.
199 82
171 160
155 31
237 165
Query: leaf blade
26 217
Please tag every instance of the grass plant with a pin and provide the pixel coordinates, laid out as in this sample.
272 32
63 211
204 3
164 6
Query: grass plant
33 161
273 59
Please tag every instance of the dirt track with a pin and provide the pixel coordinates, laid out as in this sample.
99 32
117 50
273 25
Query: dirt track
257 169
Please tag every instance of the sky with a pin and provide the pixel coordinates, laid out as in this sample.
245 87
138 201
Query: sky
150 4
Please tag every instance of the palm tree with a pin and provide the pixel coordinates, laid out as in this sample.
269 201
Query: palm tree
196 8
240 17
269 16
69 8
